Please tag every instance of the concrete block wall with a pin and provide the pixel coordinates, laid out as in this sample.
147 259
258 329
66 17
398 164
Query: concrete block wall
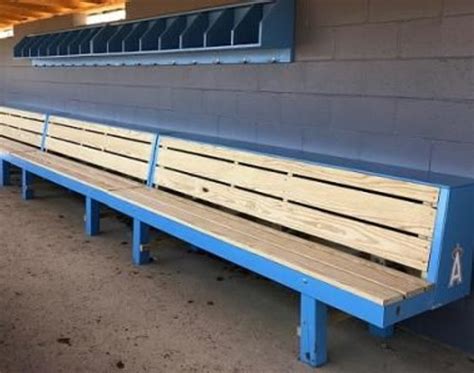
389 81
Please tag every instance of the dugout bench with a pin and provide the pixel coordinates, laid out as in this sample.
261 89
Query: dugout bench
381 246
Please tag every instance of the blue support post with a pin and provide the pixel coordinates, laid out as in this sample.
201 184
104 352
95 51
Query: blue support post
141 238
26 185
4 173
313 344
92 217
382 333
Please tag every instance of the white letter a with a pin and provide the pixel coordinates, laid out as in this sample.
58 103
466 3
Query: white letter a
456 272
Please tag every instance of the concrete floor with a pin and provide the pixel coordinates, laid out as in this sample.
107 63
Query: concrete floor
69 303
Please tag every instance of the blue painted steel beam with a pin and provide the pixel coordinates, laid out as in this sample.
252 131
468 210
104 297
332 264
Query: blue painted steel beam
313 329
141 238
27 184
4 173
92 217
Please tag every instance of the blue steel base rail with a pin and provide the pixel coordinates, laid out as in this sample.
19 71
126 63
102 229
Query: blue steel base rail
316 295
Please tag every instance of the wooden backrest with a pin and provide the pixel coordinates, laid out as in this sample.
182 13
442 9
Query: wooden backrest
22 126
388 218
120 150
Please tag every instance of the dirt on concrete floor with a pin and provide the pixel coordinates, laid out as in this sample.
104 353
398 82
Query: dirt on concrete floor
69 303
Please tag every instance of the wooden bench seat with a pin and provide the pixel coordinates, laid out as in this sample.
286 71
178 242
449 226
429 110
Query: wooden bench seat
380 247
89 175
369 280
12 147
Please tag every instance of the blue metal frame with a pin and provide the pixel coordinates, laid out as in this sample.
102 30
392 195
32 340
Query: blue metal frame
26 184
313 331
4 173
141 238
45 133
92 216
153 159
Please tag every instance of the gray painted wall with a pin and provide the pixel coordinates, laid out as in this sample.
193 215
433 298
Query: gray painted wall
389 81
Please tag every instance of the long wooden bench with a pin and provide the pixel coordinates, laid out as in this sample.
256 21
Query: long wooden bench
378 246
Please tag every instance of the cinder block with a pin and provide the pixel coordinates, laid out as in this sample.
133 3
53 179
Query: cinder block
421 38
237 77
453 7
187 101
427 78
235 128
394 10
436 120
368 114
458 36
283 78
330 141
396 150
259 106
314 43
453 158
367 41
342 77
221 103
290 137
306 110
331 13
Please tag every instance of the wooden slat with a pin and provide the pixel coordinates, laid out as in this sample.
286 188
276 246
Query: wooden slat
22 113
393 212
398 247
12 147
22 123
361 180
22 136
102 141
112 162
237 235
85 174
102 128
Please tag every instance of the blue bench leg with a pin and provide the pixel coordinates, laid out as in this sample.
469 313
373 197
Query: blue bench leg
141 238
4 173
382 332
26 185
313 348
92 218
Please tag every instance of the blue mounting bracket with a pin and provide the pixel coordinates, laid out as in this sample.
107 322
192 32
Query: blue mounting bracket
262 32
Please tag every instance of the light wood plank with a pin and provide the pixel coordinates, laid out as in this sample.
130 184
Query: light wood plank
22 123
112 162
89 175
22 136
12 147
100 141
335 276
393 212
404 249
103 128
362 180
22 113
